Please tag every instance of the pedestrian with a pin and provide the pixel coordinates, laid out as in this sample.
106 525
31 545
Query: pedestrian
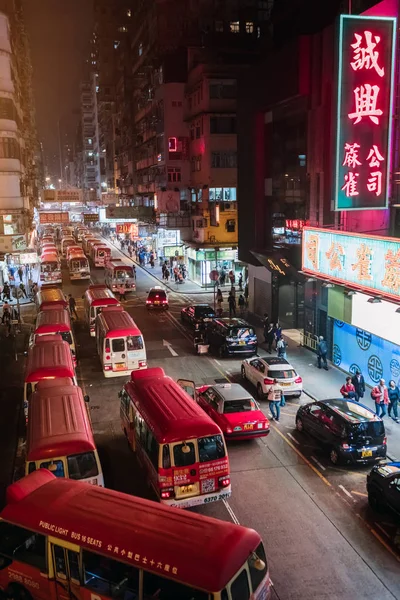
359 385
241 304
152 261
122 292
23 290
6 291
246 295
163 269
266 326
167 274
231 276
232 305
6 321
277 333
20 273
322 351
381 398
72 306
275 397
130 251
394 397
348 390
220 300
270 338
281 348
222 277
240 282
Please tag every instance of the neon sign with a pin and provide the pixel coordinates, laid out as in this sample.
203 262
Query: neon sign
364 111
368 263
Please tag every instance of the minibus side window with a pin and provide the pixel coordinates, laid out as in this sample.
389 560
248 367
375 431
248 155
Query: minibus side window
240 587
156 586
257 574
23 545
118 345
32 467
58 471
184 458
166 457
211 448
28 390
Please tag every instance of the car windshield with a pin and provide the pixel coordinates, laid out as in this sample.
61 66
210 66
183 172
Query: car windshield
157 295
353 411
202 311
123 273
368 429
241 332
238 406
282 374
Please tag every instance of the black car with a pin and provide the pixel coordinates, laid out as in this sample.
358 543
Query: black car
351 431
231 336
197 314
383 487
157 298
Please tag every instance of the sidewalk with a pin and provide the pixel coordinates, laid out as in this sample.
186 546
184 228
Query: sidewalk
23 300
319 384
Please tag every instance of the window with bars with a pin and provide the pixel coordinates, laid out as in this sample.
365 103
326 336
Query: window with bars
224 160
174 175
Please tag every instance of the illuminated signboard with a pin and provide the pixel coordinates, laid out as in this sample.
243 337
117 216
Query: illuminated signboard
364 111
365 262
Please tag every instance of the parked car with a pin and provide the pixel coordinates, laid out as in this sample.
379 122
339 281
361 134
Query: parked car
383 487
352 432
231 336
197 314
231 407
261 372
157 298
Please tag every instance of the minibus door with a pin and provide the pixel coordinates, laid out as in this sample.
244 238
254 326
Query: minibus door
67 571
118 354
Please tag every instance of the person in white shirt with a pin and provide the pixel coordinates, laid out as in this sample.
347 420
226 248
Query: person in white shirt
274 395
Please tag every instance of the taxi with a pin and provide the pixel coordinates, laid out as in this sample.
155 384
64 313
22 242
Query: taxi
232 408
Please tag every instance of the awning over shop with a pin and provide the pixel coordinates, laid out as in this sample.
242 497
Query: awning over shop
278 265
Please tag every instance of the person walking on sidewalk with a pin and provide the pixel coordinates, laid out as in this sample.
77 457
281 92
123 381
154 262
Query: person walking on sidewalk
348 390
241 304
381 398
394 397
232 305
359 385
322 351
266 326
220 300
21 273
269 340
274 395
72 306
240 282
281 348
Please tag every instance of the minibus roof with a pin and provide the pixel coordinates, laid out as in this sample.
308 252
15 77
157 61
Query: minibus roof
100 297
58 423
50 295
52 321
49 360
117 323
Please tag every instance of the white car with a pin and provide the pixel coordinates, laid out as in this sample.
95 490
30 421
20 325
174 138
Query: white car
261 372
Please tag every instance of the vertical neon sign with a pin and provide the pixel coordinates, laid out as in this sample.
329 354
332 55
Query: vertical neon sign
364 111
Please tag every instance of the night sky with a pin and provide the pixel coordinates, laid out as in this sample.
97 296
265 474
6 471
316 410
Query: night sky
59 33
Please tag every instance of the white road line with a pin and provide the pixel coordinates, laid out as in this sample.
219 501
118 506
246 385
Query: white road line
293 439
318 463
381 528
218 363
231 513
346 492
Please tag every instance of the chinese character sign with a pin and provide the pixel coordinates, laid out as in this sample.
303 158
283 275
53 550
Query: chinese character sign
365 262
364 112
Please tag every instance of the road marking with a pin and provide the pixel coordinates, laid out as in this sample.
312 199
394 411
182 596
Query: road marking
345 491
381 528
230 511
379 538
359 494
318 463
324 479
170 348
293 439
217 361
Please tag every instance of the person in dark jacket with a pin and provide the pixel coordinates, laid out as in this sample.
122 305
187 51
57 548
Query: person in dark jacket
322 351
359 385
269 338
394 397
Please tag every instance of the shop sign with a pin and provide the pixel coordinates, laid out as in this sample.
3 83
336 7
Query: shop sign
364 111
364 262
131 228
169 251
129 212
11 243
90 217
26 258
74 195
53 217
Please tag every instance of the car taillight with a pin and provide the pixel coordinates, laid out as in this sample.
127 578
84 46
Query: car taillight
228 430
224 481
165 301
167 493
345 446
268 381
298 380
108 367
385 441
148 301
142 363
108 357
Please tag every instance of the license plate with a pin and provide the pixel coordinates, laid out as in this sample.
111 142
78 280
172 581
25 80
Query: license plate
120 366
156 302
186 489
248 426
286 384
366 453
242 343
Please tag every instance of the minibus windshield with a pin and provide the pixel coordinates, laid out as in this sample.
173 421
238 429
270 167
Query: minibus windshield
82 466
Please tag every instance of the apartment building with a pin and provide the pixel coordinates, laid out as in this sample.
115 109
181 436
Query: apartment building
90 156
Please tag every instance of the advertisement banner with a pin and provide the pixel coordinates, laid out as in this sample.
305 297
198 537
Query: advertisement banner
73 195
53 217
364 111
130 228
368 263
11 243
168 201
90 217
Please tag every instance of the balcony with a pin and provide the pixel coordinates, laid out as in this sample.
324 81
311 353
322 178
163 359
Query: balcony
175 221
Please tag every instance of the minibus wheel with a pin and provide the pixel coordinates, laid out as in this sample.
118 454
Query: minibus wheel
17 592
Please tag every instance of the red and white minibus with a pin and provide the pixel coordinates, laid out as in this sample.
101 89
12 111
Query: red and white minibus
78 266
51 297
50 269
49 358
118 274
59 434
65 243
95 299
65 539
73 250
120 343
86 239
48 247
55 322
182 449
101 254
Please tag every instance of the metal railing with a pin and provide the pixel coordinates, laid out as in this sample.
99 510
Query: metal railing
309 340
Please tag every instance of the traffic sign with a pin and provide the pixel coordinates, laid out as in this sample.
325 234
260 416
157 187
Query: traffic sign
214 275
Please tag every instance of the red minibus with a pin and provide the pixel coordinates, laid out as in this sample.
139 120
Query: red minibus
59 434
73 249
66 242
48 247
55 322
78 266
50 268
120 343
101 254
50 298
49 358
182 449
95 299
86 241
65 539
118 274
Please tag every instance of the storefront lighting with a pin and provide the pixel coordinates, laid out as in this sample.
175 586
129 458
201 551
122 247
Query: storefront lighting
328 285
397 310
350 293
374 300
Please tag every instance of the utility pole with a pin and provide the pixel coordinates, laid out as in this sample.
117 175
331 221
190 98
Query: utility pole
60 151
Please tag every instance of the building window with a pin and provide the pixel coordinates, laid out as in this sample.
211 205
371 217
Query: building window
198 129
90 141
222 194
224 160
195 163
234 27
249 27
222 90
230 225
219 26
9 148
7 109
174 175
222 124
192 131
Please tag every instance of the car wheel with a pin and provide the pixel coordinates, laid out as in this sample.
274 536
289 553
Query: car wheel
299 424
16 592
260 393
375 500
243 373
334 456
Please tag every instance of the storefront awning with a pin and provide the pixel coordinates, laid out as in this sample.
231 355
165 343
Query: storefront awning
277 264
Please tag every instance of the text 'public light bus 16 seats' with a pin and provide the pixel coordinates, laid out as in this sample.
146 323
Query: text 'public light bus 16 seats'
63 539
118 274
120 343
50 298
181 448
53 322
95 299
49 358
50 269
59 434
